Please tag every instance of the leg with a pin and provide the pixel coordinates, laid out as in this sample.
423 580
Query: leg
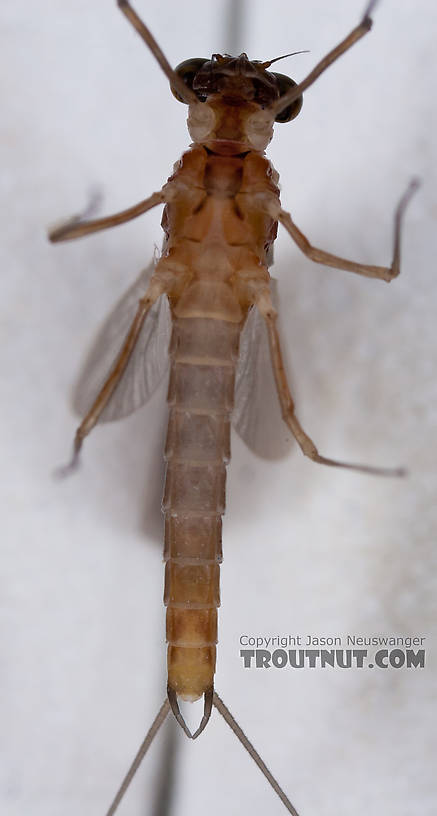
306 444
386 273
359 31
175 80
75 227
153 293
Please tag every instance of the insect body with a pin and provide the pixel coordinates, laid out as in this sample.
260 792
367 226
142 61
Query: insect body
216 260
220 219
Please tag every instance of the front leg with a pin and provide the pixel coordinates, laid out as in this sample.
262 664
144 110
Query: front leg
386 273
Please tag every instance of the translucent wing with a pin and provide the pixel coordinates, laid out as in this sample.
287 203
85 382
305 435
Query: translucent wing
257 415
147 365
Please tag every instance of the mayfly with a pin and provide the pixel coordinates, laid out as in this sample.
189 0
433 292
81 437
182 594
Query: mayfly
211 284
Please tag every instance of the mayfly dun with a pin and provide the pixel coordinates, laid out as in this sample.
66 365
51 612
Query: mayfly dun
211 290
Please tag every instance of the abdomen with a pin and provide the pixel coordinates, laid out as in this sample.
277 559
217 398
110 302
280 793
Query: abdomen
201 392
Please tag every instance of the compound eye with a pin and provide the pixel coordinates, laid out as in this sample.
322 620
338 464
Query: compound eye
291 111
187 70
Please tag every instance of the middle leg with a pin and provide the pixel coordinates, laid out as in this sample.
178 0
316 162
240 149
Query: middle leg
386 273
76 226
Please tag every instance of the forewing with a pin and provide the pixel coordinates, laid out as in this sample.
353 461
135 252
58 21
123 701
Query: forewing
148 362
257 415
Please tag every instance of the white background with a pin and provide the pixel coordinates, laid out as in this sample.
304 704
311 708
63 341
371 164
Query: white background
306 549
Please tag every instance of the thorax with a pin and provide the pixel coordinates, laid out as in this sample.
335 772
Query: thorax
217 203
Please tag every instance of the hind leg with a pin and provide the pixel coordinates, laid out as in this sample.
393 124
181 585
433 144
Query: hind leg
305 442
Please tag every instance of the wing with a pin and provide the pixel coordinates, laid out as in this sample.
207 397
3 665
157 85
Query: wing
147 365
257 415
